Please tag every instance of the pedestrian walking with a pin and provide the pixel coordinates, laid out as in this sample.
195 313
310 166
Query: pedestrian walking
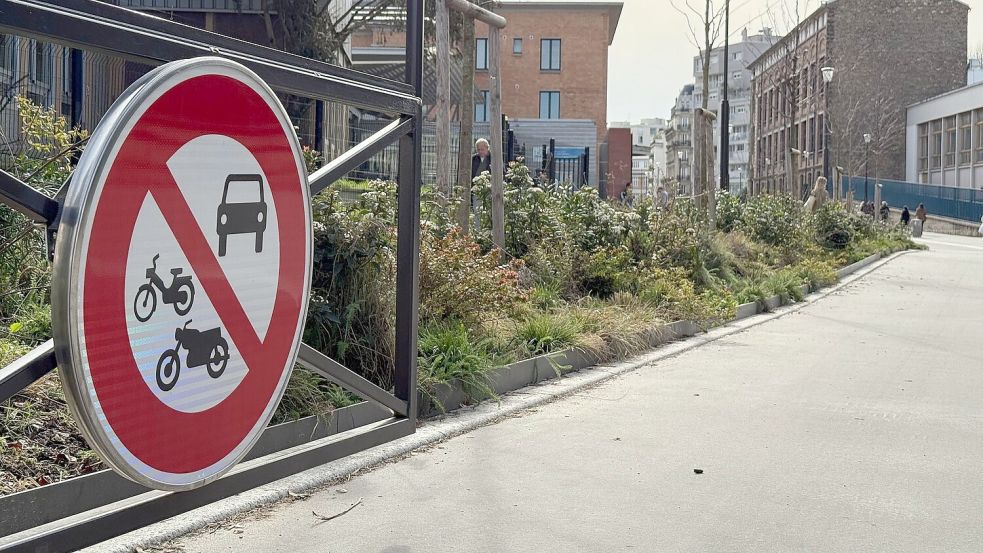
905 216
481 160
868 209
980 230
920 218
885 212
920 213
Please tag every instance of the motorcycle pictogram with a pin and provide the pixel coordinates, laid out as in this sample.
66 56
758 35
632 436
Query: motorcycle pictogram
205 347
180 294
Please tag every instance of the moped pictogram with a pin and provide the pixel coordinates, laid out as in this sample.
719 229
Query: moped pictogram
205 347
180 294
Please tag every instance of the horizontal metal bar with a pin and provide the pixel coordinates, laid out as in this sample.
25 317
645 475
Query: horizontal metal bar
26 370
36 507
24 198
313 360
362 152
93 25
98 525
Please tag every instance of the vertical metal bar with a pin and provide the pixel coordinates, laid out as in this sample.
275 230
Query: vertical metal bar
319 126
587 166
408 239
552 165
77 88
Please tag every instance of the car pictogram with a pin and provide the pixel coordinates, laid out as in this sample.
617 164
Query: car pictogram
241 217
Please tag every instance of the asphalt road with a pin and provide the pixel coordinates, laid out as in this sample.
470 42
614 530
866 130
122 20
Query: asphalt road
853 425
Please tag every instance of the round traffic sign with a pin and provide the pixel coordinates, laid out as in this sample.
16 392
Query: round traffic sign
182 271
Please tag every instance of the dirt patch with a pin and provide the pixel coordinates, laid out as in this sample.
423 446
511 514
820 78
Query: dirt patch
39 441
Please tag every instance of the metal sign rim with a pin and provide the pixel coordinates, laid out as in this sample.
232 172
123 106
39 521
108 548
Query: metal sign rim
78 211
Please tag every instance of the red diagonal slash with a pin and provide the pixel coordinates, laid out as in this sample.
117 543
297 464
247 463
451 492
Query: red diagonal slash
206 267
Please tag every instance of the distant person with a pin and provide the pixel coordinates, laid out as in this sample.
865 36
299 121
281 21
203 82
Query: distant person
905 216
481 160
868 209
921 214
885 211
663 197
626 195
980 230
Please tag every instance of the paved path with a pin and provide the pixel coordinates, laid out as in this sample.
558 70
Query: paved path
853 425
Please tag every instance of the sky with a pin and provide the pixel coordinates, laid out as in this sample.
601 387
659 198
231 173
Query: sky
651 57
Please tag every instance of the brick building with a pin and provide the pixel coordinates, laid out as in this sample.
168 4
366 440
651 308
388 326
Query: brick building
554 59
887 54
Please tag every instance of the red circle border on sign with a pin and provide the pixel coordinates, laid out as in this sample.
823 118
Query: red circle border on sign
167 440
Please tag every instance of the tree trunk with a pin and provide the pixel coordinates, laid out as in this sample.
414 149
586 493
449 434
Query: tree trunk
443 145
497 161
467 124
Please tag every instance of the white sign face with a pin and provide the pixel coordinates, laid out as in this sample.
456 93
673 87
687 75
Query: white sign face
183 273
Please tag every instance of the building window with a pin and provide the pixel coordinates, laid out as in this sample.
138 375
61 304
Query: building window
736 75
40 63
936 159
965 138
979 136
481 53
549 105
481 109
549 55
923 147
7 52
517 46
950 141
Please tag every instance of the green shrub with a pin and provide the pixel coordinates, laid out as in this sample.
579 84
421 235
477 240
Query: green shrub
450 353
458 282
730 212
833 226
546 333
774 220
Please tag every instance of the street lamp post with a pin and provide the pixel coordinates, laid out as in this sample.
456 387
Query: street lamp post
725 107
828 73
679 172
867 139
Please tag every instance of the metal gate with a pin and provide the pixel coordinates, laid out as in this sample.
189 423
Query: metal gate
92 508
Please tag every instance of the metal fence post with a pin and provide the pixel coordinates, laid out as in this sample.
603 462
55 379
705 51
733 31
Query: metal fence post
408 225
551 170
318 126
77 88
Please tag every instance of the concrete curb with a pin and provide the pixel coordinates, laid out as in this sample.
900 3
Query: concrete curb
454 424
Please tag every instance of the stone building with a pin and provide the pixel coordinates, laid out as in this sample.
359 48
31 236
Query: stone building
679 143
886 55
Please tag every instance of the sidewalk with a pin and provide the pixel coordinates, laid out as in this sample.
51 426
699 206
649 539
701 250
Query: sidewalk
851 425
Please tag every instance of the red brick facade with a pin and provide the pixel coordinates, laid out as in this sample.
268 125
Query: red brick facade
585 30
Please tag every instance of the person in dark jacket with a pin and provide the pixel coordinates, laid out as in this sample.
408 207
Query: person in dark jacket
905 216
481 160
885 211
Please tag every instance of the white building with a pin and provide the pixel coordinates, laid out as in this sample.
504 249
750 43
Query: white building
944 139
679 143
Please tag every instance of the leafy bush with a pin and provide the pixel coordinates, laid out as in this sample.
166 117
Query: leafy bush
774 220
730 212
833 226
458 282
